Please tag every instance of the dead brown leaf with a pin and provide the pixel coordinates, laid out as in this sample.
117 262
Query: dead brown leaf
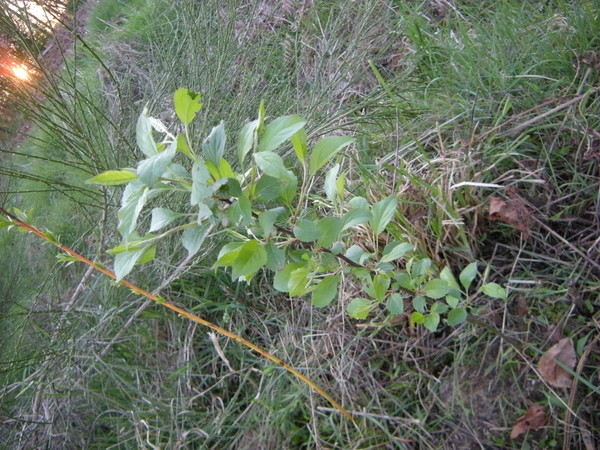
551 372
512 211
534 419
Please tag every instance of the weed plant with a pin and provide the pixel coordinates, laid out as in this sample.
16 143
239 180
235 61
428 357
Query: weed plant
450 103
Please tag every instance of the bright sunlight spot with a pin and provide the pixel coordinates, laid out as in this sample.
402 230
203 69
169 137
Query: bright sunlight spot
20 72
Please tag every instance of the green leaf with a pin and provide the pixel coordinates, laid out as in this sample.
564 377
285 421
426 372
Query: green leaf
419 303
417 317
436 288
133 200
306 230
447 275
143 135
380 286
113 177
279 131
325 291
383 213
125 261
456 317
355 217
187 104
452 301
330 228
494 290
280 282
404 281
326 149
200 187
267 220
251 257
151 169
272 164
192 238
299 143
396 250
246 140
467 275
395 304
162 217
275 257
184 147
213 147
431 321
359 308
298 282
240 211
228 254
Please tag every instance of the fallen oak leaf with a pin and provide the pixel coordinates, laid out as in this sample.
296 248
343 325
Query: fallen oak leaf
534 419
551 371
512 211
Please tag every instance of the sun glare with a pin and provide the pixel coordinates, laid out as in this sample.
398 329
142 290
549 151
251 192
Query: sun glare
20 72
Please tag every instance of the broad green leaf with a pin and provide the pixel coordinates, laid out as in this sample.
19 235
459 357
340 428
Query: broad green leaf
298 282
381 284
383 213
419 303
213 146
356 254
246 140
326 149
396 250
467 275
113 177
250 259
306 230
330 185
272 164
135 196
192 238
359 308
440 308
278 131
404 281
280 282
436 288
184 147
225 170
330 228
162 217
187 104
452 301
143 135
299 143
494 290
267 220
431 321
358 203
325 291
268 188
200 187
151 169
456 317
421 268
447 275
355 217
240 211
275 257
228 254
417 317
125 261
395 304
